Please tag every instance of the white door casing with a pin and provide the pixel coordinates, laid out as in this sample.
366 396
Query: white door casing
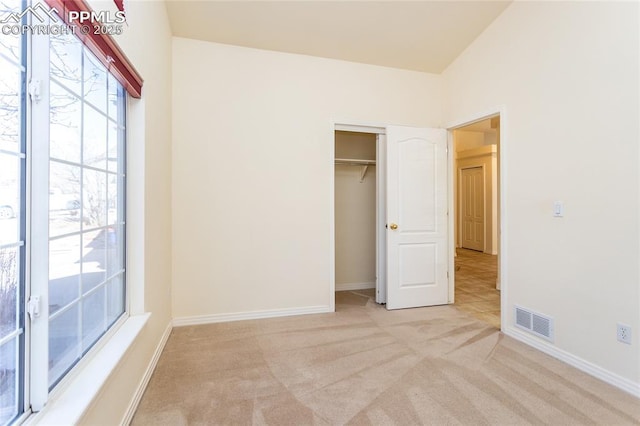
417 248
472 208
381 220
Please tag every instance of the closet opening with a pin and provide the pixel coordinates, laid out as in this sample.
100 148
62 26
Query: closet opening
359 217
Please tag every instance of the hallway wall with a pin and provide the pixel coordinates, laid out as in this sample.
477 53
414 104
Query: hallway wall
487 158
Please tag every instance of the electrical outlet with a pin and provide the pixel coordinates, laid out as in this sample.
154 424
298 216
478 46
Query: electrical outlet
624 333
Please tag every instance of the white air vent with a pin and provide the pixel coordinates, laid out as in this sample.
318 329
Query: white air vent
535 323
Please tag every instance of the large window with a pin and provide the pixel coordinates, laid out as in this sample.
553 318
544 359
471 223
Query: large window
86 215
62 215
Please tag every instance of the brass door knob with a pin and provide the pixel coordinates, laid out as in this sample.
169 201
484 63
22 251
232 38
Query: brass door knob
393 226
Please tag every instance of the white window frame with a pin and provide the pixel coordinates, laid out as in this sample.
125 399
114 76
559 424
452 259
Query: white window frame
67 396
38 227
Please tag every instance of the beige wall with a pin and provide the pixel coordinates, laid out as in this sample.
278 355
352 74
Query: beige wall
569 90
355 212
149 198
465 140
253 170
355 145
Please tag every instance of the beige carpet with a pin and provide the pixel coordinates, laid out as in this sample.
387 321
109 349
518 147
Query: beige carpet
365 365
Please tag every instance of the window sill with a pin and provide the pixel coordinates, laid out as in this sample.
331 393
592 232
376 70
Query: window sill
68 405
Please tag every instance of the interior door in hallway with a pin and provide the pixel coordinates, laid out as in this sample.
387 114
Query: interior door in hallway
417 226
472 208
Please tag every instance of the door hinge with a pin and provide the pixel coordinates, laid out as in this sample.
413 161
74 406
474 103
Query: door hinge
33 307
35 90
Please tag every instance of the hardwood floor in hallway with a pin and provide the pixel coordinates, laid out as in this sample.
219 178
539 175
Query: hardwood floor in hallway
476 293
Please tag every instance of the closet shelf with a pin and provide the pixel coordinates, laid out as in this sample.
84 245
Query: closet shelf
355 162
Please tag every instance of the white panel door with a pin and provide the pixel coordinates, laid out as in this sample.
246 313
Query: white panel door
472 208
417 236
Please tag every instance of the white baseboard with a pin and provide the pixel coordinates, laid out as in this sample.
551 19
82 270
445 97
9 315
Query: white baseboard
142 386
239 316
598 372
355 286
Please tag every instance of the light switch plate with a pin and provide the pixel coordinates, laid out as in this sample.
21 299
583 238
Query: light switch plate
558 209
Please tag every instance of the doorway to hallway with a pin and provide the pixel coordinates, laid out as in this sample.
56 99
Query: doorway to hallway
476 149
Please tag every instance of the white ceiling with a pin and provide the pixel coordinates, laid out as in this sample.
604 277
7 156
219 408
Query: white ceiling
416 35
